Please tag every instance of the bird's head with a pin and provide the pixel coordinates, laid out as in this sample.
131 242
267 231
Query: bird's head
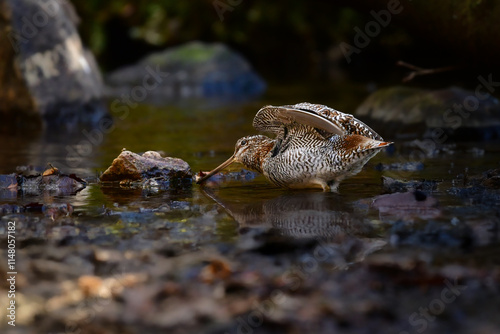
249 151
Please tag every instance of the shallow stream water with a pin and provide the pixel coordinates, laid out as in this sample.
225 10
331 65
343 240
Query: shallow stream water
204 137
225 212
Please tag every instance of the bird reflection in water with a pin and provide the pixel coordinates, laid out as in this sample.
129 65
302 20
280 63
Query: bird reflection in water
324 218
315 215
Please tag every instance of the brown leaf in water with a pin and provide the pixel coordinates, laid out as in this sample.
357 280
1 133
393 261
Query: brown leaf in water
51 171
215 270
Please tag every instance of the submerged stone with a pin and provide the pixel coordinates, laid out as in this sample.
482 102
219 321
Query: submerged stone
394 185
129 166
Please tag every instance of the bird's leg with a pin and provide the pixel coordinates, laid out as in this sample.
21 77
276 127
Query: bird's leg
333 186
326 186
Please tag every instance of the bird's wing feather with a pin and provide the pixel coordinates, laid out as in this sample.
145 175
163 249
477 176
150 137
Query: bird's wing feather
333 122
273 119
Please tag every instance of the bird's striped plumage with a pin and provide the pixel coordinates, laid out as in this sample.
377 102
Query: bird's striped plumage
314 146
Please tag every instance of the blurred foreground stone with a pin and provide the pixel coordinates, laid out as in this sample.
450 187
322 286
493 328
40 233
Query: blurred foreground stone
45 69
192 70
441 115
129 166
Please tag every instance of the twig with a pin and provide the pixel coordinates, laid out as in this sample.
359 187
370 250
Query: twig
422 71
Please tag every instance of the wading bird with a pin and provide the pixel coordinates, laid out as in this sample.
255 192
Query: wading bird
315 146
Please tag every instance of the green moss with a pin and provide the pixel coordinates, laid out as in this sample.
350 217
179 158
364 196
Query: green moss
403 104
194 52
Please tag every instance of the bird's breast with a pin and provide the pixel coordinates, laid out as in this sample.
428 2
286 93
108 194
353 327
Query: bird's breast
298 163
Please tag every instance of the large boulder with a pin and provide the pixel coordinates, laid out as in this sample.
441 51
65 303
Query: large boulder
45 69
192 70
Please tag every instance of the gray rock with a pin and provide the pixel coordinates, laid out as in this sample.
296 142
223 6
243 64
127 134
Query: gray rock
45 69
192 70
129 167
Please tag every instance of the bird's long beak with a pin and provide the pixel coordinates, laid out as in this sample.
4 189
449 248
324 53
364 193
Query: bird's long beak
385 143
216 170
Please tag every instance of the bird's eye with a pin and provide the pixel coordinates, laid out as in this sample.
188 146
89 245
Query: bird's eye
243 142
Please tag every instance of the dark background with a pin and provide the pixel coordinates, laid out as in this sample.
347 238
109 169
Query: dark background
299 40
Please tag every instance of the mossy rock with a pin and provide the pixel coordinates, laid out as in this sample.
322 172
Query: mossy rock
412 112
192 70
